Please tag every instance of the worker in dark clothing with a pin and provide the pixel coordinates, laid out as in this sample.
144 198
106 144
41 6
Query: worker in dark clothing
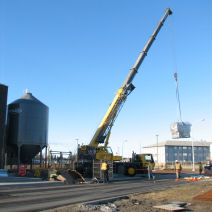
107 173
150 171
200 167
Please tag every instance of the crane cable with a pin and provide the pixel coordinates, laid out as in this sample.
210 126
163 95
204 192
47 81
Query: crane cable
178 96
173 46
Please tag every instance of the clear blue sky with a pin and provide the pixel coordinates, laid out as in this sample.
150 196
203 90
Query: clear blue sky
74 55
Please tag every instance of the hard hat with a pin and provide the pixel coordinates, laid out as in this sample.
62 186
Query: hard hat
176 161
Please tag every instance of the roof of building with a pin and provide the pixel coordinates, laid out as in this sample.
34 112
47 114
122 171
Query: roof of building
180 143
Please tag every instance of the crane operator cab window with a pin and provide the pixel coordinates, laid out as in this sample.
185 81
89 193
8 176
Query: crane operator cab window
148 158
145 158
109 150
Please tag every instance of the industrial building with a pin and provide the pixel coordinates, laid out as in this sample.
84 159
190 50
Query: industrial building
169 151
3 109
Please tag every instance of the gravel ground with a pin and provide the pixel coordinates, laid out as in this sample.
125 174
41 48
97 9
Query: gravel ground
145 202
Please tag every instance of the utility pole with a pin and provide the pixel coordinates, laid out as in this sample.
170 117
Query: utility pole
157 150
192 141
118 150
77 149
193 168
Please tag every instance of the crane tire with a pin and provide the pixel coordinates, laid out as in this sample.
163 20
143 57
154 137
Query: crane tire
131 171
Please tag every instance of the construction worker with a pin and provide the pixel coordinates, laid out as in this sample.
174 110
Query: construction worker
178 169
150 171
107 172
104 170
200 167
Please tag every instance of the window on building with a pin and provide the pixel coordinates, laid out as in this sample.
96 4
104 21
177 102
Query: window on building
180 147
185 147
184 154
189 147
206 151
175 147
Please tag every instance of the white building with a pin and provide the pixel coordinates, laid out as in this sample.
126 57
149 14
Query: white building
181 150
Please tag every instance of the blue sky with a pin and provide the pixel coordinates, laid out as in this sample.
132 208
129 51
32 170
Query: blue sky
74 55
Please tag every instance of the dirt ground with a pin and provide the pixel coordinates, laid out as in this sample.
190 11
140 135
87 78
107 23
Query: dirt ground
145 202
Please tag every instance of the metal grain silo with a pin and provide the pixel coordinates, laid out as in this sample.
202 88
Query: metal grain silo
27 125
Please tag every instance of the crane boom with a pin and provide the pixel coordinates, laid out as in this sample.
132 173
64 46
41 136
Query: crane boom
103 131
142 55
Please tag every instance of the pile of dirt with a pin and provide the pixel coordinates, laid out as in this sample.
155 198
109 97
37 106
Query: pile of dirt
206 196
69 176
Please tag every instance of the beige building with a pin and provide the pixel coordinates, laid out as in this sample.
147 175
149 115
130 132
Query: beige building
182 150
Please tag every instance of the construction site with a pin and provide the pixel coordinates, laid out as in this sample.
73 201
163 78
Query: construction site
173 174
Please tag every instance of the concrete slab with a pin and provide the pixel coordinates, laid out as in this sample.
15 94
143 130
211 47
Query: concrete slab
19 179
6 182
169 207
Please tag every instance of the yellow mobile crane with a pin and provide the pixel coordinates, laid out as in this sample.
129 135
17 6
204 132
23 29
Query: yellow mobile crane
93 151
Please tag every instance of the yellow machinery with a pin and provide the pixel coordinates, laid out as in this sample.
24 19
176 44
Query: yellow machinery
137 165
94 151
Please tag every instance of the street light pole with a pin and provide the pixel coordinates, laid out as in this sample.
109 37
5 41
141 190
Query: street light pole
157 150
193 169
192 141
77 149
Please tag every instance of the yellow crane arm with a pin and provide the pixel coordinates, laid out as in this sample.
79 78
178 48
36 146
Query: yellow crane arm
110 114
107 122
